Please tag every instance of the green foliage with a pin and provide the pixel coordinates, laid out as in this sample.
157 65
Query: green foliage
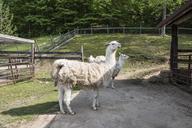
6 21
35 17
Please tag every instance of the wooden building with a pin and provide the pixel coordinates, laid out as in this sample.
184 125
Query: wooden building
180 59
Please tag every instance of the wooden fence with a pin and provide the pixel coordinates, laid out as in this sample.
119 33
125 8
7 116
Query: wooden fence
15 68
16 65
182 74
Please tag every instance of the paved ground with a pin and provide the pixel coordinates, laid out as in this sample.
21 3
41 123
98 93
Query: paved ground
131 105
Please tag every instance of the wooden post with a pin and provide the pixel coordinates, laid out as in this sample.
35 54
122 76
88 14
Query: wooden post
91 30
12 73
140 29
189 71
82 53
77 31
123 30
107 29
33 58
174 49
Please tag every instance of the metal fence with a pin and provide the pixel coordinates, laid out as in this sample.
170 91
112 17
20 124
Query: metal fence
129 30
63 39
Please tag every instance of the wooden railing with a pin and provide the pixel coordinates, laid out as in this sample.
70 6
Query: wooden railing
183 72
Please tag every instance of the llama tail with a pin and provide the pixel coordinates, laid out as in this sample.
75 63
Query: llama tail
55 72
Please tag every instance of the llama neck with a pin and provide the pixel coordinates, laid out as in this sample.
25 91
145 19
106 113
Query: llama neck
121 62
110 58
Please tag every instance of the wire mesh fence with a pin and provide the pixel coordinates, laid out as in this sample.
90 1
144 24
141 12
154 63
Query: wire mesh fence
129 30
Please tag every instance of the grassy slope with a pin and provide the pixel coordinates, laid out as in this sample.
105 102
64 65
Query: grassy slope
25 100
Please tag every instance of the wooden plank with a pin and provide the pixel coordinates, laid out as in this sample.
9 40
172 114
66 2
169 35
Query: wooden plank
13 39
8 64
25 52
55 57
184 50
15 52
63 53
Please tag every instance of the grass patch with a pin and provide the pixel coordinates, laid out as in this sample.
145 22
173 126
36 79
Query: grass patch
25 100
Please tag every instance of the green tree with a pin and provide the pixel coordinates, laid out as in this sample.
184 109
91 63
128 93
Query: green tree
6 19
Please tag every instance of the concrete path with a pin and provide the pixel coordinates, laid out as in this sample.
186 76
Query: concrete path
131 105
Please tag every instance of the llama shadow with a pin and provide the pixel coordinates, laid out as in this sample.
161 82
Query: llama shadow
52 107
43 108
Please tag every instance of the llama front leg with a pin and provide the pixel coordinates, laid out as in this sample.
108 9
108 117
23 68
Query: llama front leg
97 99
61 98
68 91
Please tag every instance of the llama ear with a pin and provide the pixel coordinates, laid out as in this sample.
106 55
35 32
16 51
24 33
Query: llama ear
107 44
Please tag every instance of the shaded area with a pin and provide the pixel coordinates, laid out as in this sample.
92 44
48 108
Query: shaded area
45 79
43 108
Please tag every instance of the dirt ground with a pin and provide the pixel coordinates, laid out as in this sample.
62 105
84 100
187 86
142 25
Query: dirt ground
131 105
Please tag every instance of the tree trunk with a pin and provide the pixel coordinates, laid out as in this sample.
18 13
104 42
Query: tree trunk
163 29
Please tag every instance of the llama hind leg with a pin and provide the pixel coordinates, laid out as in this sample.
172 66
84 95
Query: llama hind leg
112 83
95 99
61 98
68 91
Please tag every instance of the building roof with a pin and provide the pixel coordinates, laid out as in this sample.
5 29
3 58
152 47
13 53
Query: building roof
180 15
13 39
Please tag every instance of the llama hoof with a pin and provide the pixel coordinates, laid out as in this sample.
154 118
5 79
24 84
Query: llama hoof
98 105
113 87
72 113
94 108
63 112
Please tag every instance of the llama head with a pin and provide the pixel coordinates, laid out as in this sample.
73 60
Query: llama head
113 46
91 59
123 56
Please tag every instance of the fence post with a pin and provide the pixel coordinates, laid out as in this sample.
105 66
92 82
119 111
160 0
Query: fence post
51 39
82 53
91 30
77 30
140 29
33 58
189 71
159 31
123 30
107 29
